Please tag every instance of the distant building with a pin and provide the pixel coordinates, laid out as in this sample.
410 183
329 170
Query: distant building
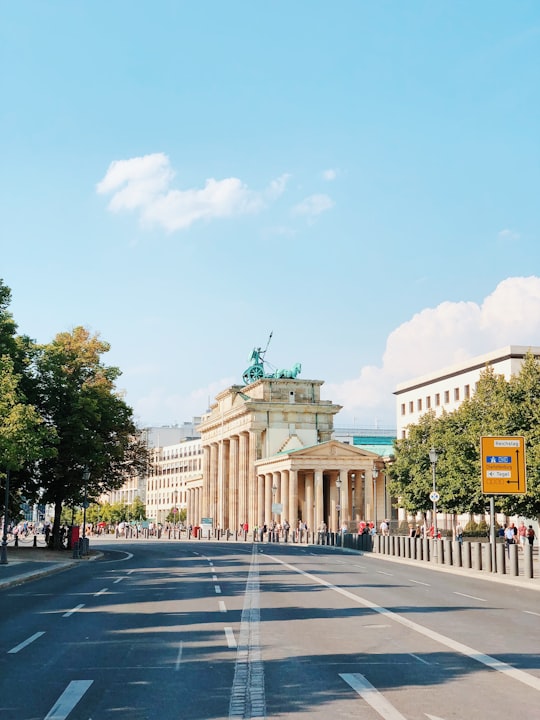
449 387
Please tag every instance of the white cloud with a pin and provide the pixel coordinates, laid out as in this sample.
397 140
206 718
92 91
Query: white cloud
314 205
508 234
143 184
329 174
436 338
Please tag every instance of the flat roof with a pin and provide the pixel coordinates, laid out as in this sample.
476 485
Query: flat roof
478 362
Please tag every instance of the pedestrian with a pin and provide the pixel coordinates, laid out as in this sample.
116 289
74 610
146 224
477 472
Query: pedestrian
459 533
509 537
522 534
530 534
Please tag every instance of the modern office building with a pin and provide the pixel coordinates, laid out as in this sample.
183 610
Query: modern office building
449 387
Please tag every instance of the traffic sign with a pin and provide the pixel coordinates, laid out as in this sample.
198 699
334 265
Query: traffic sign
503 465
434 496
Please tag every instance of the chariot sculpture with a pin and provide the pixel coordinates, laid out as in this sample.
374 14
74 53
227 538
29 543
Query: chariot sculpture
256 369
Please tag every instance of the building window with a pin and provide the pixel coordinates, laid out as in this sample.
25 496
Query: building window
411 406
419 405
437 399
428 402
467 392
446 396
456 394
403 408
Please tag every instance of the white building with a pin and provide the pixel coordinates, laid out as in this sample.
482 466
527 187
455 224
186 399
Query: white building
448 388
175 480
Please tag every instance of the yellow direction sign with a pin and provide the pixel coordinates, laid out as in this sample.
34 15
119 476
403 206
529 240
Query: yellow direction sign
503 465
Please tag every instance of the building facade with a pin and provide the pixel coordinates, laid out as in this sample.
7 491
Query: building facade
269 455
448 388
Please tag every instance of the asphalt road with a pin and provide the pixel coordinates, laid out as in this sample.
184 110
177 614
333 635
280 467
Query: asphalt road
198 631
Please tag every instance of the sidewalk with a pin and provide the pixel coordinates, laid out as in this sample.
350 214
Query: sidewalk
29 563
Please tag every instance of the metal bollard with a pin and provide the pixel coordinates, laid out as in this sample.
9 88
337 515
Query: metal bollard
500 552
425 549
456 553
513 565
477 556
466 557
528 569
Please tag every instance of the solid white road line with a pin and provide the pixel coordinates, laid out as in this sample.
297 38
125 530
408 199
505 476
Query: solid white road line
248 698
68 699
418 582
70 612
472 597
372 696
214 578
490 662
26 642
101 592
530 612
231 642
217 589
222 607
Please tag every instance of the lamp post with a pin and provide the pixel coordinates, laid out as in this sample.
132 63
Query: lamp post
3 554
338 485
433 458
274 491
353 485
374 475
86 478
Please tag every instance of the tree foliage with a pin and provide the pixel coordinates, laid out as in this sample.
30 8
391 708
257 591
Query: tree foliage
498 407
95 431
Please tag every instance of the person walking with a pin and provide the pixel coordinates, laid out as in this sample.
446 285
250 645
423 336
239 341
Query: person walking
509 537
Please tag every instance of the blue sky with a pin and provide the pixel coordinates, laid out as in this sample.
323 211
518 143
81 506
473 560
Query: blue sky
361 178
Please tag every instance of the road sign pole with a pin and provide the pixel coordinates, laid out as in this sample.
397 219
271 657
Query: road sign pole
492 536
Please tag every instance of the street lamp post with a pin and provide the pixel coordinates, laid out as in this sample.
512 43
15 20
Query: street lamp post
274 491
3 554
86 478
374 475
338 485
433 458
353 486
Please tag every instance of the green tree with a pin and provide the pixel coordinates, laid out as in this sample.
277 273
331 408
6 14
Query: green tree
23 434
456 437
95 430
524 420
137 509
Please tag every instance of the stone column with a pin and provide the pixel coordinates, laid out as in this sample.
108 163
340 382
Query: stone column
234 522
334 494
252 495
285 496
223 485
260 500
293 499
343 475
214 455
268 498
206 478
242 479
310 502
276 497
319 499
